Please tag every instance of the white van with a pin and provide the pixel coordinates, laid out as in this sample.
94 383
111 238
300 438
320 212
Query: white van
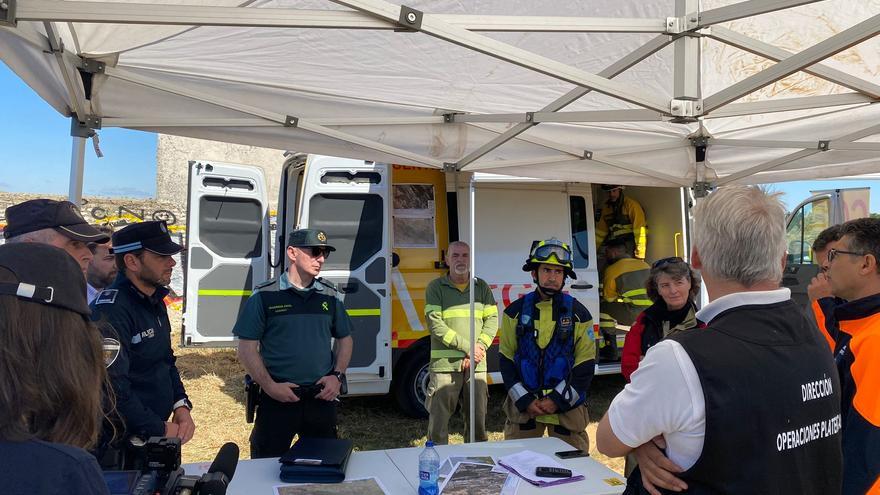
390 225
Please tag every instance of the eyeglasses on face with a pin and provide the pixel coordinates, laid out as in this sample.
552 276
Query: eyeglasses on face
832 253
667 261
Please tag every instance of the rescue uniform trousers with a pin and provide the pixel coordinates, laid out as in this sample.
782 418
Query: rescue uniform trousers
572 427
444 391
277 422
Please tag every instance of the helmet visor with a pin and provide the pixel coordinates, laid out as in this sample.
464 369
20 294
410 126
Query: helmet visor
559 251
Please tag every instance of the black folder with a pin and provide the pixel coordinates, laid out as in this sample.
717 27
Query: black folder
316 460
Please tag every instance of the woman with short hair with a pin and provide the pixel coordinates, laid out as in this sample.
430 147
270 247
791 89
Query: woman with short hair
672 286
52 370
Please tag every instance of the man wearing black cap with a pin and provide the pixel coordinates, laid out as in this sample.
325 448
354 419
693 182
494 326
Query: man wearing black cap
145 378
57 223
285 333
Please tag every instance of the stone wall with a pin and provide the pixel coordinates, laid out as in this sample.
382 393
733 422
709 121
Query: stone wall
173 154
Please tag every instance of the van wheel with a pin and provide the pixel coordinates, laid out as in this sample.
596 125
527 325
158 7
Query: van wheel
411 388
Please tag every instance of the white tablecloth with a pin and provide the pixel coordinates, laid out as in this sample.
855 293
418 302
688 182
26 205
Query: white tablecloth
397 469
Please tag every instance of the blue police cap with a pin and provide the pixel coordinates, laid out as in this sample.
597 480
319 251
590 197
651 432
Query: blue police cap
152 236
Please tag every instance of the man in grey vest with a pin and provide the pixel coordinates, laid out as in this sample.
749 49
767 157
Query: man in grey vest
749 404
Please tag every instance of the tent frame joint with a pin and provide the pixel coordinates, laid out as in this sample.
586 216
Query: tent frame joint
824 145
588 155
410 18
450 167
7 13
689 109
702 188
91 65
86 128
290 121
449 118
679 25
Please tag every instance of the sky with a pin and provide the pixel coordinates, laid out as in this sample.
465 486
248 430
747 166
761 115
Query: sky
35 155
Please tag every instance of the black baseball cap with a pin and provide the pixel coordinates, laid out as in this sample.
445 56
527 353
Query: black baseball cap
152 236
39 214
45 274
309 238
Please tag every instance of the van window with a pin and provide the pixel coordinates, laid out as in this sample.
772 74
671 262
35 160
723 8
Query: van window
580 244
354 225
413 213
231 227
803 228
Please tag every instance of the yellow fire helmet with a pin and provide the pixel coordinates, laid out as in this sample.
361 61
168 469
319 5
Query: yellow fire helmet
552 252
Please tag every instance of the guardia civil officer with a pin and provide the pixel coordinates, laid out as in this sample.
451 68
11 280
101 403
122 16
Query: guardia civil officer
150 397
285 333
547 353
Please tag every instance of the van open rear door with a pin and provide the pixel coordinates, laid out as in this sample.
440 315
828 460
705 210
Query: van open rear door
226 248
348 199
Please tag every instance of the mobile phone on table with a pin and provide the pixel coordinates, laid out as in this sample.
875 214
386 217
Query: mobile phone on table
571 454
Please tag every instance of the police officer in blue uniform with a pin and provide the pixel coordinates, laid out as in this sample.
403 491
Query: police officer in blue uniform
150 397
285 333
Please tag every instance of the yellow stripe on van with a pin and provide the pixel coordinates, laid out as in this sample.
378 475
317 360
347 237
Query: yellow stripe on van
225 292
364 312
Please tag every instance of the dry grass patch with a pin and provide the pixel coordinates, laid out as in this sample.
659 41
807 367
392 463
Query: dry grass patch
213 380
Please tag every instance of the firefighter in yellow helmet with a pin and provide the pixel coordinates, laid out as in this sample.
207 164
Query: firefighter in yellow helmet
622 218
547 353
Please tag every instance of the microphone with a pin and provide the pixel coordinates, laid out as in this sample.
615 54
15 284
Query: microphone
215 481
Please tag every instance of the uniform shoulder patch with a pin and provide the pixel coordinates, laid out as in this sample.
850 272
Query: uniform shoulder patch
107 296
271 284
327 284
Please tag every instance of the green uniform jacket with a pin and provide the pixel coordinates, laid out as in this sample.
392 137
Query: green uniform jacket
447 311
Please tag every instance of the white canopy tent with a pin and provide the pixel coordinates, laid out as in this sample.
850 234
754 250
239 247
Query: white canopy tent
641 92
617 91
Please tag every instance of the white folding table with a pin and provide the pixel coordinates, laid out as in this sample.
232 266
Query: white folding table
397 469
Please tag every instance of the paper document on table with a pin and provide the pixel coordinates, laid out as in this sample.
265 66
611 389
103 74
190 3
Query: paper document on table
523 464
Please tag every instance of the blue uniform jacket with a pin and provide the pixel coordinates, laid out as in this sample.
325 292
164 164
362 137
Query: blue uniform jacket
144 376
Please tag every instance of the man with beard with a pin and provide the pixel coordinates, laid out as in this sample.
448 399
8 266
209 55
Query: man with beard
102 269
145 378
448 313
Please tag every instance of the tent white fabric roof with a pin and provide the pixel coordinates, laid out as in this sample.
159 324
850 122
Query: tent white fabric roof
475 84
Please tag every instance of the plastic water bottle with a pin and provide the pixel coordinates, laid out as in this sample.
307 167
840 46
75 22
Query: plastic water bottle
429 470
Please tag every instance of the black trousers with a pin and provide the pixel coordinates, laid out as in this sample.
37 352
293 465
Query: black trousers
277 422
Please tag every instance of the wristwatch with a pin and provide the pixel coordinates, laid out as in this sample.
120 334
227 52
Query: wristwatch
182 403
343 388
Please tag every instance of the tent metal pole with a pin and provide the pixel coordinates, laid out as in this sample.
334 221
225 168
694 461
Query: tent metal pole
473 243
789 104
432 26
853 136
194 15
72 81
633 58
280 119
829 145
686 68
77 169
747 9
824 49
775 53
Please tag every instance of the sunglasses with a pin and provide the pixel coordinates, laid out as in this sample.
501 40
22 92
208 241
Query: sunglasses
316 251
667 261
832 253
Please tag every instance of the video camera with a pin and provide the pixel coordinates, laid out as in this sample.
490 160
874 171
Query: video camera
161 472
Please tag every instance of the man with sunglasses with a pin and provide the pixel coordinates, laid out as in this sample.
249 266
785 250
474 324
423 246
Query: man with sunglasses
854 275
547 353
749 404
285 337
150 397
